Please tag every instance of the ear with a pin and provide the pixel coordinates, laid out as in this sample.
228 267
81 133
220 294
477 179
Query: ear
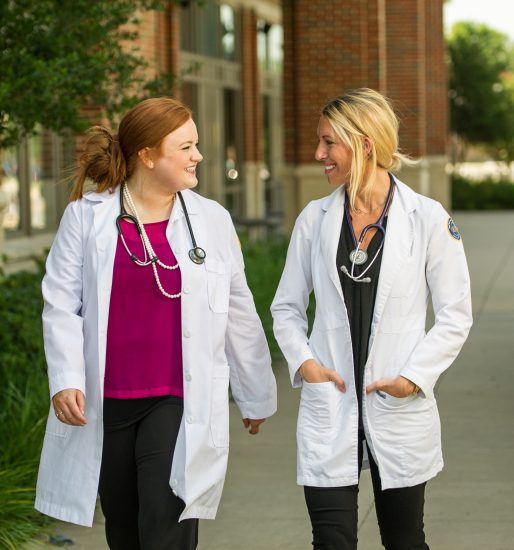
145 157
368 146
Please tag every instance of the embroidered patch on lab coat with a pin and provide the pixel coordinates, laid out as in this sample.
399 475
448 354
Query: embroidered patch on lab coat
453 229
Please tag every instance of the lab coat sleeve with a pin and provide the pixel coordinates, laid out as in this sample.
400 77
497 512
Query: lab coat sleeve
62 295
252 380
448 281
289 307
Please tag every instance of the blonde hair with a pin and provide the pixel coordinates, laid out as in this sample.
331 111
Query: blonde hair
108 159
359 114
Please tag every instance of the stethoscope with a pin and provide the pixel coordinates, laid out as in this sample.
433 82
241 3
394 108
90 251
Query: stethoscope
357 255
197 254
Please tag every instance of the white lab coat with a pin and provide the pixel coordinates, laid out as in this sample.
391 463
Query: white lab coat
420 258
222 339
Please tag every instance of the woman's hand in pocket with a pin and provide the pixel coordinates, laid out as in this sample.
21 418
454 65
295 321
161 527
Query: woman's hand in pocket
314 373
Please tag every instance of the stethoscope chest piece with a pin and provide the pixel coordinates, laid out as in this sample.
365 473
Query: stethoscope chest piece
358 257
197 255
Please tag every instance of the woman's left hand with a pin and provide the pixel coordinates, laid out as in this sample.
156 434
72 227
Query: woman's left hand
253 424
397 387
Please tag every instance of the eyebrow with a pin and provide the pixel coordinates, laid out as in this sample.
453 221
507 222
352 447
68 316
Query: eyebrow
188 141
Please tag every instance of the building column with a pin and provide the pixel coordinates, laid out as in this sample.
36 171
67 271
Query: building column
253 184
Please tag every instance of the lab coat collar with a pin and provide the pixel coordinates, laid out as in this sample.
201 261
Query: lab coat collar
397 246
192 205
333 205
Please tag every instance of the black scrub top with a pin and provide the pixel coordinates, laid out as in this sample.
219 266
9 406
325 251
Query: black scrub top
360 300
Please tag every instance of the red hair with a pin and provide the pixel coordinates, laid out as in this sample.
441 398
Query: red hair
109 159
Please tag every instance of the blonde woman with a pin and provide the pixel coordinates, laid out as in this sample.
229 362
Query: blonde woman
372 252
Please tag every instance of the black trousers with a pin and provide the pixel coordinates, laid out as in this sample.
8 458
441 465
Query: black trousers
334 516
141 511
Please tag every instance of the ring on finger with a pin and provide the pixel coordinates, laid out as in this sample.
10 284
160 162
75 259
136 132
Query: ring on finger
57 414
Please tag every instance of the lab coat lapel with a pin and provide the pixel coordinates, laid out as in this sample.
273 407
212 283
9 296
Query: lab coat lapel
177 231
105 213
397 249
330 234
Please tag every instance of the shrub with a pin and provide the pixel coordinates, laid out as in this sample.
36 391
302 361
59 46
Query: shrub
23 405
487 194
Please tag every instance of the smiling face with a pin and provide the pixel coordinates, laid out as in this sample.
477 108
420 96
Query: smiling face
174 166
333 153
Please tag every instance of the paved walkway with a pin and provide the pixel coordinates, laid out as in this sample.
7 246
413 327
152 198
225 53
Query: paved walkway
470 505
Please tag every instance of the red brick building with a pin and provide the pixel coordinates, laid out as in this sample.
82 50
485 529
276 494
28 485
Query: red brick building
256 74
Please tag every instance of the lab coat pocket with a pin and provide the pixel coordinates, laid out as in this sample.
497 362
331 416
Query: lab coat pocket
219 408
329 320
316 417
218 284
392 401
405 279
57 430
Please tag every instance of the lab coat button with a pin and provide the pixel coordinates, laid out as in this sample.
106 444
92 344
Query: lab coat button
189 419
186 290
173 484
187 334
188 377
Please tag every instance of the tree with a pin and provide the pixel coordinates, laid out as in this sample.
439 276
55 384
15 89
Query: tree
56 56
482 88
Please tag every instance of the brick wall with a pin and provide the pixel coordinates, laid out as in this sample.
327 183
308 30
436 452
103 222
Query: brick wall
395 46
436 81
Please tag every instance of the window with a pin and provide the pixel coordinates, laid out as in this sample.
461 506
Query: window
270 46
228 32
209 29
30 176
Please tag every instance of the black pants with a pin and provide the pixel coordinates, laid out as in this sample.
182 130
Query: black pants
141 511
333 513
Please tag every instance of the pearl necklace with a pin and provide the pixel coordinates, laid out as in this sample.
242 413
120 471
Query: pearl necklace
147 245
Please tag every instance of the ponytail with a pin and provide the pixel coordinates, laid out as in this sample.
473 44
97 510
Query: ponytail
102 162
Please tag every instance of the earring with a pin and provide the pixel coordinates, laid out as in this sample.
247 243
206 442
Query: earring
150 165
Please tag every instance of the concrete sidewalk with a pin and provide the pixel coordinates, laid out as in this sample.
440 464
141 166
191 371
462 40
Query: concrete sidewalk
470 505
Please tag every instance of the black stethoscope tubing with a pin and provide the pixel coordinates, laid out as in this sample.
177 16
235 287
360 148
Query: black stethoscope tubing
197 254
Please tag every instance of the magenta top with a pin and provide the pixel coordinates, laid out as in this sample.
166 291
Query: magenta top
144 345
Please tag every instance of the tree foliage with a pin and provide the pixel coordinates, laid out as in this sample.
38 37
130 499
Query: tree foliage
56 56
482 87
